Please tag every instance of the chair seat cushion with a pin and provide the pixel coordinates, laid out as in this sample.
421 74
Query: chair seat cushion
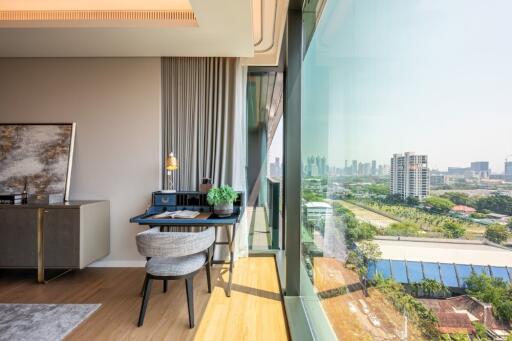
175 266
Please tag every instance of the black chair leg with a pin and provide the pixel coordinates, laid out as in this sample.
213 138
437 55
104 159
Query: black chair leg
144 286
208 277
165 285
190 300
145 299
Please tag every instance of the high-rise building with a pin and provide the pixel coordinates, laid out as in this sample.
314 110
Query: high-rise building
480 168
410 175
508 170
374 167
354 167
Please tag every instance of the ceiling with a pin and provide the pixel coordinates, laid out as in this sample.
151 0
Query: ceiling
133 28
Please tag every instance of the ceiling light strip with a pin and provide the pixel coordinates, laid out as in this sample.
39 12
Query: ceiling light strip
98 15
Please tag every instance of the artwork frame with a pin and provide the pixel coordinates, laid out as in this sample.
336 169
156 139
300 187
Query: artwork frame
62 135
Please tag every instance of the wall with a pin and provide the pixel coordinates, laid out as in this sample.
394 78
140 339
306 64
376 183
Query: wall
116 105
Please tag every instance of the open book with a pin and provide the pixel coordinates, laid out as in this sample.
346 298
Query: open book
177 214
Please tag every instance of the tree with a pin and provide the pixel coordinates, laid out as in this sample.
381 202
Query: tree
430 288
481 331
453 230
412 201
378 189
439 204
496 233
494 291
357 230
459 198
497 203
359 259
405 229
509 225
394 199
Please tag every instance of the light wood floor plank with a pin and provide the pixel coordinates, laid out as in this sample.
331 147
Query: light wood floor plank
254 311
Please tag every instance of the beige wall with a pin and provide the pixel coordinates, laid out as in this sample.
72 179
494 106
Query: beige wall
116 105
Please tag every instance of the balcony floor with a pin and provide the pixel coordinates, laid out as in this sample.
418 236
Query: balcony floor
259 229
254 311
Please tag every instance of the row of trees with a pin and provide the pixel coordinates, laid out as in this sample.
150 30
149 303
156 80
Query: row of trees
498 203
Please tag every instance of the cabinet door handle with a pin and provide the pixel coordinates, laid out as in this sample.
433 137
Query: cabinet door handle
45 211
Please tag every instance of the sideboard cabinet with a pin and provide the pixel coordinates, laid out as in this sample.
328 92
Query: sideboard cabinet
68 235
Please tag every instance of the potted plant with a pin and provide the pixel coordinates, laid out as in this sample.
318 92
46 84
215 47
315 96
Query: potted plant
222 198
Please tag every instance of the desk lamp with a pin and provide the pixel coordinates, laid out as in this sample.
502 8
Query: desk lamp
171 164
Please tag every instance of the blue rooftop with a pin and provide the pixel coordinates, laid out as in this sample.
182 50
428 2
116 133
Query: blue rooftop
451 275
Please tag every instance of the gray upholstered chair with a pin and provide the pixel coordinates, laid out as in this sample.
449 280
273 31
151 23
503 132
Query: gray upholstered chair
175 255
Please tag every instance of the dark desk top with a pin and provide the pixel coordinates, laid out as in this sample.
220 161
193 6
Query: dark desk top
147 219
67 204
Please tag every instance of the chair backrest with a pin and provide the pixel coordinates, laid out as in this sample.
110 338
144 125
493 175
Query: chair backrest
153 243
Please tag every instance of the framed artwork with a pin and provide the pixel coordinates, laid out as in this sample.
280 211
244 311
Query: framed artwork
37 157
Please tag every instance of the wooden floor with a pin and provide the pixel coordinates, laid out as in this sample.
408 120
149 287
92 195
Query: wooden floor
254 311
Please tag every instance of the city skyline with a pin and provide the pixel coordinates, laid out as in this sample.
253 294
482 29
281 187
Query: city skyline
467 165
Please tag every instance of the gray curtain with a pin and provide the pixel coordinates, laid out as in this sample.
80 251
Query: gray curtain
198 118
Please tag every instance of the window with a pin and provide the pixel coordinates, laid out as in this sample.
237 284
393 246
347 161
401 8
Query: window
406 152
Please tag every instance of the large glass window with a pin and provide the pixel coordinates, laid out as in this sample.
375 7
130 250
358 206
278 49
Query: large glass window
265 159
407 167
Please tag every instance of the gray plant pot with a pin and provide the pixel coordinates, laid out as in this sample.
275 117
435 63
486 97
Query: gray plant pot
223 210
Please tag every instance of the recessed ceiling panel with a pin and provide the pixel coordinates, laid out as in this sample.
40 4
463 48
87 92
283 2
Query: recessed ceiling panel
95 13
80 5
126 28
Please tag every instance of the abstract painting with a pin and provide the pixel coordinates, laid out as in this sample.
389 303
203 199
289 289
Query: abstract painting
36 156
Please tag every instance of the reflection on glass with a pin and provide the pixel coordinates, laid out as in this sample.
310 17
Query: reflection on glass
407 168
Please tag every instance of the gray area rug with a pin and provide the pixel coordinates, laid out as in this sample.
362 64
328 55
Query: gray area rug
41 322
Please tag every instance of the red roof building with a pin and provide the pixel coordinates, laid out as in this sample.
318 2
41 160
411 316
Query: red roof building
463 209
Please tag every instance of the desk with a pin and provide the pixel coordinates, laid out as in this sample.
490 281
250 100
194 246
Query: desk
193 201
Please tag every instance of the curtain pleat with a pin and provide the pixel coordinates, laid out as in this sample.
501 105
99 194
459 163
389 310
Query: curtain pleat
198 115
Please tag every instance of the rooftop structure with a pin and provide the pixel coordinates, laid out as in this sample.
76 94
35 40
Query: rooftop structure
411 260
463 209
456 314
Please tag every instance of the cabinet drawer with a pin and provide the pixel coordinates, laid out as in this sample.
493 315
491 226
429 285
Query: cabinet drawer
18 238
61 238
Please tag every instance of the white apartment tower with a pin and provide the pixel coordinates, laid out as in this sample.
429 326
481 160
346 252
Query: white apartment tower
410 175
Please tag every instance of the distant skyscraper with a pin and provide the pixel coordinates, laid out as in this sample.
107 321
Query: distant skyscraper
480 168
508 170
374 168
354 167
410 175
276 168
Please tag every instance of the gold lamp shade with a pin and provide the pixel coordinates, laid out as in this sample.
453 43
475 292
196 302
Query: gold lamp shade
171 163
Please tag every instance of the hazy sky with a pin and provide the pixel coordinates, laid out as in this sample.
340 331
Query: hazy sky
429 76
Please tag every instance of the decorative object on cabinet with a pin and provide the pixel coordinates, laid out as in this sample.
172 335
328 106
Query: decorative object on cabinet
36 158
205 185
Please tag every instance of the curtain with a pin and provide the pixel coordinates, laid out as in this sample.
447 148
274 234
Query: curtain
204 125
199 115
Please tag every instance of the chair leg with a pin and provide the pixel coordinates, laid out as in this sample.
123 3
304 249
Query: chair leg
209 277
190 300
144 286
165 285
145 299
208 269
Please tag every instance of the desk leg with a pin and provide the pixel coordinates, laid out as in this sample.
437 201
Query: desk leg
231 242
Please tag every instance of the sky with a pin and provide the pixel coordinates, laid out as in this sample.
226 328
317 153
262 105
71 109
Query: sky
428 76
